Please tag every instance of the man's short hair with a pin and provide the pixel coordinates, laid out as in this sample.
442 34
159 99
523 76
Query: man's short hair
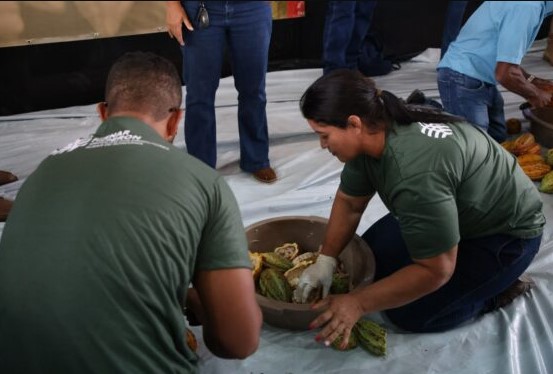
143 82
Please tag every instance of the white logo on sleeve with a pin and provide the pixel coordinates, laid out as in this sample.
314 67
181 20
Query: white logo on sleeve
435 130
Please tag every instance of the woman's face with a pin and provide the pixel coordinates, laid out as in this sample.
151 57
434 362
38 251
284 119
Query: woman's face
343 143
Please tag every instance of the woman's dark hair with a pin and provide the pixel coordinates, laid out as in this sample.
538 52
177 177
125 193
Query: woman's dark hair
332 98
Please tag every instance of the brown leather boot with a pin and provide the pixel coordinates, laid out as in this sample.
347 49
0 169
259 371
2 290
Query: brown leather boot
519 287
6 177
5 207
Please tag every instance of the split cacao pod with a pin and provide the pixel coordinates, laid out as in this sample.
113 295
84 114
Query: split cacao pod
274 285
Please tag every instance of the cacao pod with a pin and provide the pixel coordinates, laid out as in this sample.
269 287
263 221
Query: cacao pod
371 336
513 126
276 261
191 340
274 285
536 171
288 250
534 149
546 184
352 342
257 264
523 143
340 283
307 256
528 158
509 145
549 157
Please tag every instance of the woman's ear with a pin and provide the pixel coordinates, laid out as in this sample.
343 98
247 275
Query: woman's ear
355 122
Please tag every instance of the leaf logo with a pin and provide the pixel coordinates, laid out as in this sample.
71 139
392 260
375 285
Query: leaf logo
435 130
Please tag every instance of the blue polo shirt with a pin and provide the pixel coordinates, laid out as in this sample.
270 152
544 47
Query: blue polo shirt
496 31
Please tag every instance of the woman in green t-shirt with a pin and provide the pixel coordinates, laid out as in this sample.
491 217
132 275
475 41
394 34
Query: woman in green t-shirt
464 222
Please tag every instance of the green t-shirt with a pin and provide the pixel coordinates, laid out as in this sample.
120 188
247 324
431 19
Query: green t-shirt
447 182
100 248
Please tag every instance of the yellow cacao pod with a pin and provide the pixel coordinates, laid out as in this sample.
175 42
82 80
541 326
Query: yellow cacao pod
509 145
257 264
536 171
534 149
523 143
529 158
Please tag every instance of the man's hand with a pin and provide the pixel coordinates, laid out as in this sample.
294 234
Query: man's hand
175 17
320 273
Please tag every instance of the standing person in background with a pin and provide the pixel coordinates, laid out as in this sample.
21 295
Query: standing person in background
245 28
106 236
453 22
347 43
488 51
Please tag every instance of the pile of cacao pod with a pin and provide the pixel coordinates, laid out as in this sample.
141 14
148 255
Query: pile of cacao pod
529 156
276 274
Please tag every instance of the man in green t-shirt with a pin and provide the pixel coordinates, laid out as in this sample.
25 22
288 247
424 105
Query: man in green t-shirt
107 235
464 224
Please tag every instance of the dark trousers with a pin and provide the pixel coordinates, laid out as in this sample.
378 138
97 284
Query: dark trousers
244 28
485 267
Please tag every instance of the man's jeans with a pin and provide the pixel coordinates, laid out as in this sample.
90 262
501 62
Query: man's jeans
245 28
479 102
485 267
345 28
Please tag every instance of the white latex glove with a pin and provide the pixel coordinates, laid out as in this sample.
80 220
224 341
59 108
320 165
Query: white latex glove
318 274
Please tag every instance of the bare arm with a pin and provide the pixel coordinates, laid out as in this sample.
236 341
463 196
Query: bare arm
225 305
406 285
343 221
175 16
515 79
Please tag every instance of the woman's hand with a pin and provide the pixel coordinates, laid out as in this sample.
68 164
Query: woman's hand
341 312
174 18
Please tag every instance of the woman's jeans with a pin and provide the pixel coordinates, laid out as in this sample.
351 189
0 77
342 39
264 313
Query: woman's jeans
485 267
479 102
244 27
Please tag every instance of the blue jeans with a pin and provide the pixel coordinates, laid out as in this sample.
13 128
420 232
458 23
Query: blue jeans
244 27
479 102
346 25
485 267
453 22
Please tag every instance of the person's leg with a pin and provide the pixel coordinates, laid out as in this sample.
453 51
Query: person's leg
338 28
249 36
485 267
453 22
497 128
363 14
202 61
464 96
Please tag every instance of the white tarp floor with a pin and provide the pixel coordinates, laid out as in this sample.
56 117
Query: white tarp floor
515 339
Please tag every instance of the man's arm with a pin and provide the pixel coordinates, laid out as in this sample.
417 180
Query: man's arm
225 304
516 80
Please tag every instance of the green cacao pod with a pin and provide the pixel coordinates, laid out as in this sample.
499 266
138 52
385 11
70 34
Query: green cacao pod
276 261
352 343
340 283
274 285
371 336
546 184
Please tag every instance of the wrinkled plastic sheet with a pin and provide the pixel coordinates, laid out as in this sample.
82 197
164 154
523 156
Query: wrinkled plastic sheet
516 339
